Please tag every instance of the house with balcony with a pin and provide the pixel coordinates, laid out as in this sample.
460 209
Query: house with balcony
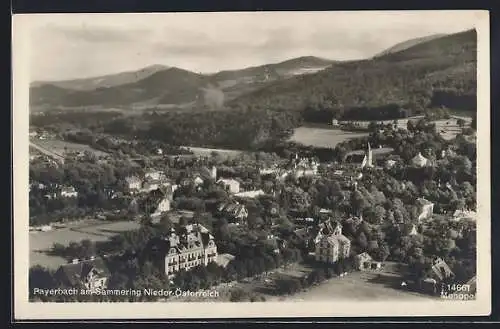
330 244
440 272
189 246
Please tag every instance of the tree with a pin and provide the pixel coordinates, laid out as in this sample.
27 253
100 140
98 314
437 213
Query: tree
382 252
359 202
166 223
237 295
42 278
362 241
460 122
87 248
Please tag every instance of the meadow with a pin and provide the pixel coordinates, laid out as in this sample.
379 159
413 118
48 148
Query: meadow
60 147
95 230
323 137
204 151
328 136
356 286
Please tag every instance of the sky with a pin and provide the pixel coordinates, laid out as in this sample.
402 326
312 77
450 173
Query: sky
70 46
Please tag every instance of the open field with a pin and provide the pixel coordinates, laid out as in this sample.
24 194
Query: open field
361 286
370 285
203 151
59 147
323 137
328 136
36 149
449 128
93 230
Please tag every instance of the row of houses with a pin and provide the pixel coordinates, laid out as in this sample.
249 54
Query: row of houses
384 157
55 191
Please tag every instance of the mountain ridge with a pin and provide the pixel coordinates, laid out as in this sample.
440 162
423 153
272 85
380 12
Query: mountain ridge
408 44
85 92
415 77
444 61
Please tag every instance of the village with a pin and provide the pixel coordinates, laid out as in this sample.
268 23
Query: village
247 221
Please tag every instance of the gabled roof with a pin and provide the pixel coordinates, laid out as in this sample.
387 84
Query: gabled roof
133 179
441 269
301 233
423 202
419 160
364 256
228 181
224 259
74 273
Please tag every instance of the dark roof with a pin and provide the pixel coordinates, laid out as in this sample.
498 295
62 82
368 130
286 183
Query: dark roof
160 246
205 173
74 273
355 158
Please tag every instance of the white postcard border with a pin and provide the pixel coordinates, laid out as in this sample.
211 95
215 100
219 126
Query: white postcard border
24 310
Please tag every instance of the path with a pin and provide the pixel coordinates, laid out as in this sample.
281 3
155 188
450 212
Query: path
55 156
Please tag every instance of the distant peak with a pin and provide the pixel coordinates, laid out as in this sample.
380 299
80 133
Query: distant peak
155 67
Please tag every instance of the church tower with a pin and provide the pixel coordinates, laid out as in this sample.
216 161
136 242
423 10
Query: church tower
213 173
369 157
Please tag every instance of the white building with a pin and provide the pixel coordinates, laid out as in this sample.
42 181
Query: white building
163 206
134 183
420 161
151 185
153 175
187 248
426 209
331 245
250 194
69 192
232 185
198 180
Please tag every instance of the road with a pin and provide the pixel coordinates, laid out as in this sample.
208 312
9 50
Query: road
55 156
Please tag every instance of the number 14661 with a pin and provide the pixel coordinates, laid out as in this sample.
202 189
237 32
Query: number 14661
458 287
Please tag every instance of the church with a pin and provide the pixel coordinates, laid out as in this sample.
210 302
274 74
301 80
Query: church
367 158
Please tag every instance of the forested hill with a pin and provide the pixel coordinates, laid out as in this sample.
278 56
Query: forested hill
408 44
439 72
104 81
168 86
160 85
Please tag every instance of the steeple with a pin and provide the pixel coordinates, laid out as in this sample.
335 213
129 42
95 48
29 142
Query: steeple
369 160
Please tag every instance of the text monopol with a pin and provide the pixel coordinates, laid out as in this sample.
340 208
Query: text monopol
127 292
